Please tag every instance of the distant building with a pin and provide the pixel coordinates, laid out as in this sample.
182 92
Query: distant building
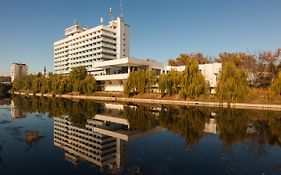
18 70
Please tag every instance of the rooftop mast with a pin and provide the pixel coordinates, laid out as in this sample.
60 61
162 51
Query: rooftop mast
121 8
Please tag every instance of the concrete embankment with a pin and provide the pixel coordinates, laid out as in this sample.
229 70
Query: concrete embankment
271 107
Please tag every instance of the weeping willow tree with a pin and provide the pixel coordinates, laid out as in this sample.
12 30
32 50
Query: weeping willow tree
193 82
170 83
140 81
232 83
276 85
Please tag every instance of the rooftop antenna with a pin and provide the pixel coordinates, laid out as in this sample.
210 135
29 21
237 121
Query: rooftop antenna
76 22
121 8
110 12
45 70
101 20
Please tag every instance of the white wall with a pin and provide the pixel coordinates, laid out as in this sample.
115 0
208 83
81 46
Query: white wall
114 87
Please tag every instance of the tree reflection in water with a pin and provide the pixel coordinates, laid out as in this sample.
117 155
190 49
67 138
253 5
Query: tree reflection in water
232 126
78 111
256 128
188 122
140 117
32 138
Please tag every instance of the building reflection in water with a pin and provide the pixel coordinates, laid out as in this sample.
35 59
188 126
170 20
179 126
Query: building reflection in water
211 126
16 111
102 142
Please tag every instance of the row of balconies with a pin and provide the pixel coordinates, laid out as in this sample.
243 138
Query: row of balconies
86 46
93 53
88 40
93 47
85 59
61 53
61 48
82 61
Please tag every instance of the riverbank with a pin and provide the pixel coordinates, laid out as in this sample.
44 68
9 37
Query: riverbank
271 107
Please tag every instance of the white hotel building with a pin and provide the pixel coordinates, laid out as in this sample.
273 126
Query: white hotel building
104 51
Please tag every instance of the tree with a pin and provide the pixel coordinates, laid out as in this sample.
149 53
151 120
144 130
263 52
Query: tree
193 82
267 68
276 85
89 84
17 85
182 59
78 73
140 81
170 83
241 60
232 83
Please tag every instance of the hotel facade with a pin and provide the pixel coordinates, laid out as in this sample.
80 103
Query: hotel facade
105 52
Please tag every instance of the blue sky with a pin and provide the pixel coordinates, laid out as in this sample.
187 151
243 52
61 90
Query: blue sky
159 29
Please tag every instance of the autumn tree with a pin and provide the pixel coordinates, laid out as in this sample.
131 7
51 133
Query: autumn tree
140 81
240 59
89 84
276 85
193 82
232 83
267 68
78 73
170 83
182 59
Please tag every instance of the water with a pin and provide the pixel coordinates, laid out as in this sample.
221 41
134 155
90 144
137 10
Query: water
57 136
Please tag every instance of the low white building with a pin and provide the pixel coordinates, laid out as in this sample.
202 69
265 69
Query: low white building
117 71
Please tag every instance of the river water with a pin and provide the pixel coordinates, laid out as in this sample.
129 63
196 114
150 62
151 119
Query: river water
58 136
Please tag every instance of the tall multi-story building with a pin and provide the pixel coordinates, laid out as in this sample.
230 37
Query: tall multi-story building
104 51
18 70
83 47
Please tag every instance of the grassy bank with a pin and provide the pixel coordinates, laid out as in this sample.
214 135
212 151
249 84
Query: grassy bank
255 96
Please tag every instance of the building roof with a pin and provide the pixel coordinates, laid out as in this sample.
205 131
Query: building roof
128 62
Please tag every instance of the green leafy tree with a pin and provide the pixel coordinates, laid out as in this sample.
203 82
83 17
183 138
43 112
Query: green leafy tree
232 83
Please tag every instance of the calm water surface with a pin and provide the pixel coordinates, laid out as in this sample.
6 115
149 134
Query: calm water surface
57 136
